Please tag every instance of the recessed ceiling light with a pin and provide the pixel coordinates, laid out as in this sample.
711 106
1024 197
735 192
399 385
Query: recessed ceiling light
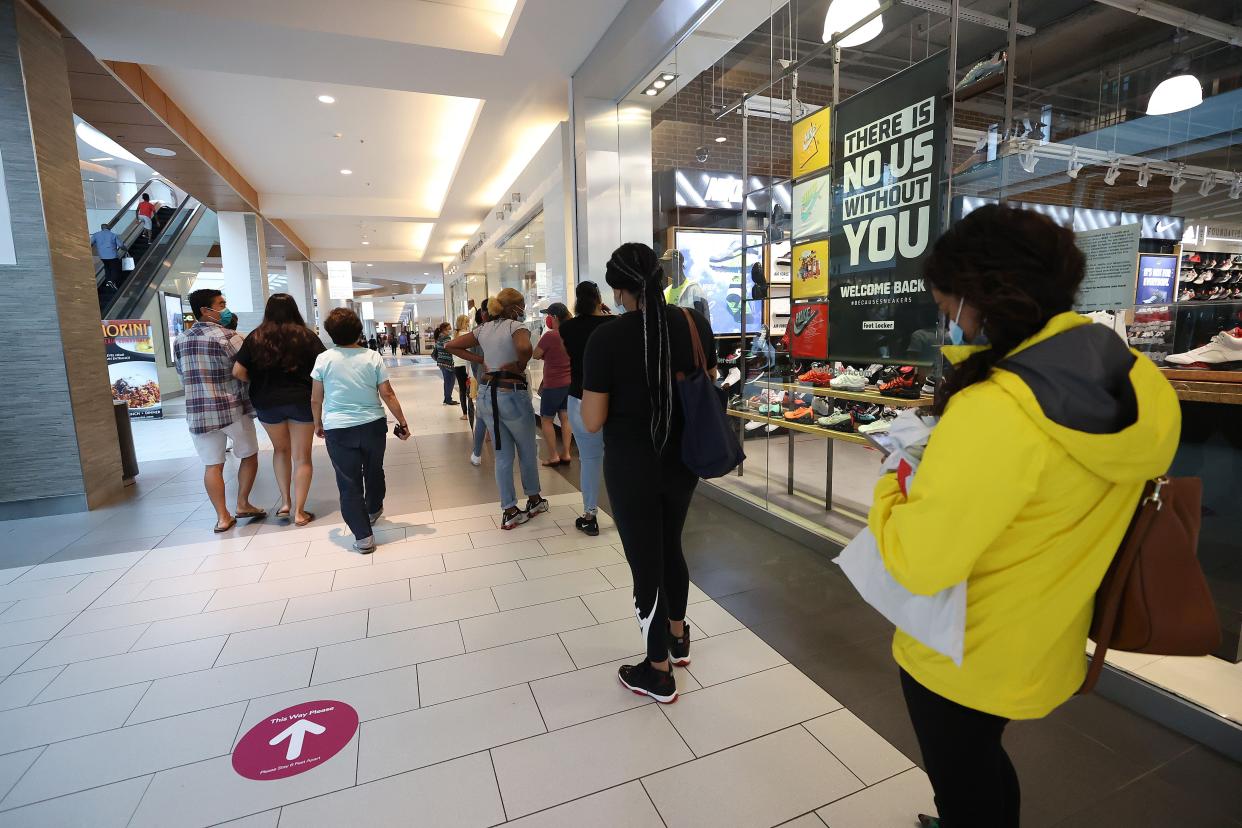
347 172
660 84
364 241
667 77
652 92
160 151
426 274
720 139
327 99
370 265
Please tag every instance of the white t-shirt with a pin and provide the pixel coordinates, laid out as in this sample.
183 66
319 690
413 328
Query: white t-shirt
351 379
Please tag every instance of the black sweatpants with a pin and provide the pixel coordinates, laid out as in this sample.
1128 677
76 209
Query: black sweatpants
357 455
974 781
650 499
463 390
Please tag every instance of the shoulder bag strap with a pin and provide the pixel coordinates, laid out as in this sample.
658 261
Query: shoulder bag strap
700 359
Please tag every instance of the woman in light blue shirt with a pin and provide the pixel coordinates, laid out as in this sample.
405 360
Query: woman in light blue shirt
348 396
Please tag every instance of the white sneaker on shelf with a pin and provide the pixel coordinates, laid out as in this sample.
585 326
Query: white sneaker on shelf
1223 351
848 380
475 459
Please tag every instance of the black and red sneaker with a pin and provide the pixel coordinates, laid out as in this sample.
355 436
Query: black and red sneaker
646 680
679 648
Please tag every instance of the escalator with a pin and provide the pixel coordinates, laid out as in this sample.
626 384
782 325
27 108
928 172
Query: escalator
153 255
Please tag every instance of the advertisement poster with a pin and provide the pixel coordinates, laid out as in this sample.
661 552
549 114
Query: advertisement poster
173 322
1109 280
130 352
712 278
1157 279
810 270
811 202
891 142
808 331
812 148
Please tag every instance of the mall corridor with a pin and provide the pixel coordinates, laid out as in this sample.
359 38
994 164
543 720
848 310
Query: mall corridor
139 650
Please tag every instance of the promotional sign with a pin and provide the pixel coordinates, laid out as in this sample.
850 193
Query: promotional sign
174 322
1109 280
812 147
130 353
712 278
1157 279
811 202
810 270
341 280
887 212
368 311
808 331
295 740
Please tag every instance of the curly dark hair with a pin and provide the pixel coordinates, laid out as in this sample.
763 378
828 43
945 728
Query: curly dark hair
1017 267
280 341
343 326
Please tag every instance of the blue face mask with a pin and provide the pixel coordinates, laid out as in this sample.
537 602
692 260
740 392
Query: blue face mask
227 317
956 335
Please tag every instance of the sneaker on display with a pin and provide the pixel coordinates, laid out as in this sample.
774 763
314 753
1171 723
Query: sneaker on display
903 385
849 380
821 407
929 387
878 427
679 648
646 680
800 415
840 421
1222 352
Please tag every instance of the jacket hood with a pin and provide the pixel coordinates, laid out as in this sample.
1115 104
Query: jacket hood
1108 406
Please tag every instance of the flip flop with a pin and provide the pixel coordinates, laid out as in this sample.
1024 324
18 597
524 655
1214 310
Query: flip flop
309 517
552 463
283 514
218 529
257 514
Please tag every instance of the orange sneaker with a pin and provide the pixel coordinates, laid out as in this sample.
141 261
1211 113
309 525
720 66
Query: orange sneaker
802 414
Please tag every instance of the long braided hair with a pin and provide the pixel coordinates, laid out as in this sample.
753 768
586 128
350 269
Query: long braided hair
1017 267
634 267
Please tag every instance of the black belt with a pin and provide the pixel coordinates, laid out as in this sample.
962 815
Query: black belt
518 384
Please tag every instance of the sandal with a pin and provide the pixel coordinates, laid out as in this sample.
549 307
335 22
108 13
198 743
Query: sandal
283 514
256 514
218 529
552 463
309 517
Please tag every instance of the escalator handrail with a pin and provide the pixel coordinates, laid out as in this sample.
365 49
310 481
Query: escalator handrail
169 243
127 237
120 214
155 243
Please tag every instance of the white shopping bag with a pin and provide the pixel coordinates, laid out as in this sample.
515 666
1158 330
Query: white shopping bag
936 621
127 263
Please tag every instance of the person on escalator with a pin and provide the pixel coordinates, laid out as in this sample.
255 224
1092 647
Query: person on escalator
146 215
109 250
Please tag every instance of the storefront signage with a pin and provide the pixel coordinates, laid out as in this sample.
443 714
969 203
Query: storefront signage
812 147
810 270
1109 280
295 740
1157 279
130 352
808 331
890 151
812 200
341 280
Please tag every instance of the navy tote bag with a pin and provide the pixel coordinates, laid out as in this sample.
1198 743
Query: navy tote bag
709 443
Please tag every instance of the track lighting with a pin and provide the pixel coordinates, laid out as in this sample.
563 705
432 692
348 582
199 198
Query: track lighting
1027 156
1207 184
1144 175
1178 180
1114 170
1074 167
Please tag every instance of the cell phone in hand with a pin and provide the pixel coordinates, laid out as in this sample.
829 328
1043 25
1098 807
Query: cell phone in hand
400 431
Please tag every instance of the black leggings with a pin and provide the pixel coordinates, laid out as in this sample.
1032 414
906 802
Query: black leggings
649 503
463 390
974 781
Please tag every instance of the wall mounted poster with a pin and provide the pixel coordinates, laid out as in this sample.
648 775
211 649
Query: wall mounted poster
1157 279
891 142
808 331
810 270
811 143
130 353
1108 283
811 202
711 278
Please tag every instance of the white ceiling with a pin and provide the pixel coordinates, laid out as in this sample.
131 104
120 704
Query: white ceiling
440 104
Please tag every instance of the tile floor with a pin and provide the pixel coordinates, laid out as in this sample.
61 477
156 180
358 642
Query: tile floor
136 648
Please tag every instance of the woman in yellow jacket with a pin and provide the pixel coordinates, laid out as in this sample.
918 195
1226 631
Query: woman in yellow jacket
1025 490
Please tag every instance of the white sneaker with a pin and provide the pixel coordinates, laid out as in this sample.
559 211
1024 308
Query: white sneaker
848 380
877 427
365 545
475 459
376 516
1223 351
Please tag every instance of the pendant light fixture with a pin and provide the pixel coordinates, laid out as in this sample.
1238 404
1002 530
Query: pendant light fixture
1180 90
845 13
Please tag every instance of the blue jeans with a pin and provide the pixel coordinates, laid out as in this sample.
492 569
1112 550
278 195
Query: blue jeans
480 428
517 433
590 454
450 379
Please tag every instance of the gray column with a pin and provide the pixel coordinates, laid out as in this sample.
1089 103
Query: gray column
58 439
243 253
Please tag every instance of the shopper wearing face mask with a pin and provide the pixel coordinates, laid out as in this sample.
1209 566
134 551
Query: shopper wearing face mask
1046 438
554 391
216 405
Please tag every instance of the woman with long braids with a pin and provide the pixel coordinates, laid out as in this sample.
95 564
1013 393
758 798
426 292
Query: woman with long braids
1046 438
628 391
504 400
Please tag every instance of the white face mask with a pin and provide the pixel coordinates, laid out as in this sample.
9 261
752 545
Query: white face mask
617 304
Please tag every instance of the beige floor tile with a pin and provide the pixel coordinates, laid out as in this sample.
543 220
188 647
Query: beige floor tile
47 587
576 541
109 806
139 612
891 802
533 530
709 618
1210 682
553 588
537 621
12 657
13 765
625 806
602 643
612 605
20 689
409 548
32 630
618 575
570 562
760 783
429 611
128 668
308 565
292 637
266 554
186 584
346 600
445 731
384 571
729 656
41 724
75 600
237 682
592 693
464 580
384 652
473 673
208 624
863 751
474 510
566 764
490 555
265 592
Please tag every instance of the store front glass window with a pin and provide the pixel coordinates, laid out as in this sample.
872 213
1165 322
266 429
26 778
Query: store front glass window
797 187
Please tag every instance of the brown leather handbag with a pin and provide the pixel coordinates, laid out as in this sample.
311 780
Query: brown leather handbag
1154 598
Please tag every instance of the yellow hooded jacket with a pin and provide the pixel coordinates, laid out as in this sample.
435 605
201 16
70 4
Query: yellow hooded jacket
1025 491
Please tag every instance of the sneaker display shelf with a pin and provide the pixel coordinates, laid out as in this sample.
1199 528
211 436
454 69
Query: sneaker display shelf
829 436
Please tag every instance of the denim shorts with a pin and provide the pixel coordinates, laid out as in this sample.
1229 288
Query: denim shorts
298 412
553 400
